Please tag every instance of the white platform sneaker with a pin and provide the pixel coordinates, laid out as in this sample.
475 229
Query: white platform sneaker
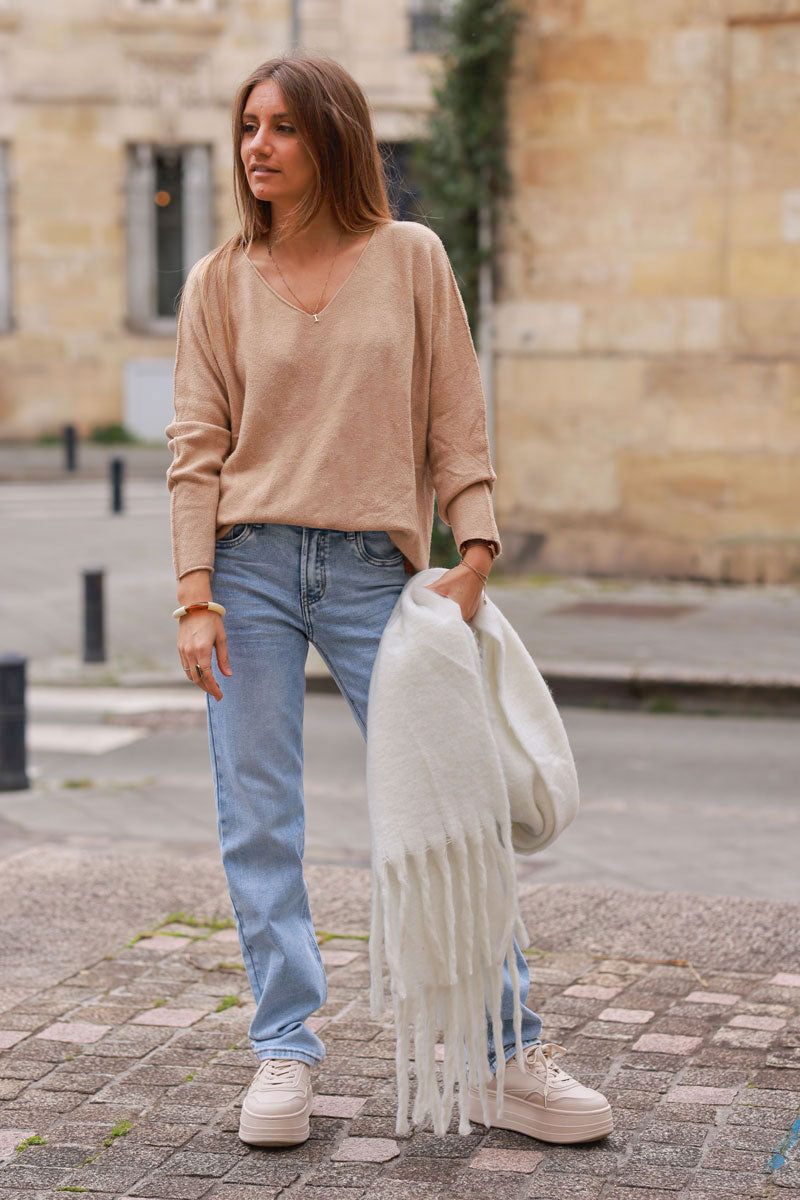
277 1107
545 1102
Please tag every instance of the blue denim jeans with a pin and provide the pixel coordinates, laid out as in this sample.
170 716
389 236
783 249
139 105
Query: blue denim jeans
283 587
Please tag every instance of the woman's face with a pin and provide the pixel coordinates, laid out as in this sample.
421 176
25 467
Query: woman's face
277 163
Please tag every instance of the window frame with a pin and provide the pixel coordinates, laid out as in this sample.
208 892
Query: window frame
425 17
7 323
197 228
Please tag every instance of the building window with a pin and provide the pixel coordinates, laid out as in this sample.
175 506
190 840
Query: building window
170 226
428 25
5 241
405 195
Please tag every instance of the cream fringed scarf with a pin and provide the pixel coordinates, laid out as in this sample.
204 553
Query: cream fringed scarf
467 762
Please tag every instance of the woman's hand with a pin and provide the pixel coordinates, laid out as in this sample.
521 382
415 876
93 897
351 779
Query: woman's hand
198 633
462 585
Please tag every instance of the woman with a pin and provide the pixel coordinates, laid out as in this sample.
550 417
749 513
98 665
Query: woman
325 384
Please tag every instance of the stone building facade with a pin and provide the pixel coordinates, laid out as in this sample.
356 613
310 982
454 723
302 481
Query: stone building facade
116 175
646 379
647 385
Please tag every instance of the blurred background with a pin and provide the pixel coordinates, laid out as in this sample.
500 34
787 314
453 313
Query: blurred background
618 186
644 293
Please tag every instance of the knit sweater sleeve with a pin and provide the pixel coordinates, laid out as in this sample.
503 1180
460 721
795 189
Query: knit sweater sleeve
457 439
199 437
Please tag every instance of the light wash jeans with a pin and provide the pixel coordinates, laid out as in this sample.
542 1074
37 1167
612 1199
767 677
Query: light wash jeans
284 586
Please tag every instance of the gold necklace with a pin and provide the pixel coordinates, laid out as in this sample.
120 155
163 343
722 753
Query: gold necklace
315 314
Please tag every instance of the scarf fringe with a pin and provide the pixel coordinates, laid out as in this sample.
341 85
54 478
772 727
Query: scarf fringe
446 975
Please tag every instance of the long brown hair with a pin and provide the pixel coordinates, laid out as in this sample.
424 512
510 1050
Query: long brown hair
333 119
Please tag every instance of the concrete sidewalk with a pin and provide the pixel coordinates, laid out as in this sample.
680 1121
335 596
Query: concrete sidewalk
32 462
625 644
125 1065
611 642
615 643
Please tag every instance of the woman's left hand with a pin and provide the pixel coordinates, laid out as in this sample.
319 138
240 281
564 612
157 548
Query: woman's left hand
462 585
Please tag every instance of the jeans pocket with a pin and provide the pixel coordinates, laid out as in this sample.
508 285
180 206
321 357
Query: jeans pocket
375 546
235 536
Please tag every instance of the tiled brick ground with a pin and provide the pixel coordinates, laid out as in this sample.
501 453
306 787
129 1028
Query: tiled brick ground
131 1073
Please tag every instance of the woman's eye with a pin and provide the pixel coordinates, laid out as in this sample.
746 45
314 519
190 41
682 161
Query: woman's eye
285 128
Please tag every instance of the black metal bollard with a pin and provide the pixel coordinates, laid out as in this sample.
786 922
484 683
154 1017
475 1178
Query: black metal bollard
13 772
94 649
70 447
117 476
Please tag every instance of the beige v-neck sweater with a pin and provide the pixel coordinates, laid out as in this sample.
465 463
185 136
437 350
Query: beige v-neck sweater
348 422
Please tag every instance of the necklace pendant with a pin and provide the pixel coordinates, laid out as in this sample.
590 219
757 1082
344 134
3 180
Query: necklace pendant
316 318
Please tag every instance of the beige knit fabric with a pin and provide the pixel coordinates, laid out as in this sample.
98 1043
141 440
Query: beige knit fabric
348 422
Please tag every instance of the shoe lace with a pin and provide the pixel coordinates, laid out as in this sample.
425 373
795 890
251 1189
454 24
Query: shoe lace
539 1057
275 1070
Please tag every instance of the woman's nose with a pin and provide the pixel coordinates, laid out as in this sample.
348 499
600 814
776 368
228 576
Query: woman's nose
263 143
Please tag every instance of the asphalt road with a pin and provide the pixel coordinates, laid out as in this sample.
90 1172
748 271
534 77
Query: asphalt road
669 802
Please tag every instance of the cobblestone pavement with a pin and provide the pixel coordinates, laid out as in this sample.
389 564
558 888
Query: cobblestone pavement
125 1080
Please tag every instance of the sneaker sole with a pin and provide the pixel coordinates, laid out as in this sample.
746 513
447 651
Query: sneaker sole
285 1130
542 1124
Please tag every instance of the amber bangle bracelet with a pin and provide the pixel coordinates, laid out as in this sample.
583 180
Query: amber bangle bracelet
200 606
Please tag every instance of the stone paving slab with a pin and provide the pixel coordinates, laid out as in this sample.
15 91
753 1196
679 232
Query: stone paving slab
701 1065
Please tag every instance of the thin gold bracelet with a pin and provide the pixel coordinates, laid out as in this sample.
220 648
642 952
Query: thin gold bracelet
480 574
485 578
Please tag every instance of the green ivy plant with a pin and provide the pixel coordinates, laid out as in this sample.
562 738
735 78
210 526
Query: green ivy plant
461 166
443 548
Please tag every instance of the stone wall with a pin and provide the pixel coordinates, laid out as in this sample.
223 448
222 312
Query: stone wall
648 284
647 378
79 83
